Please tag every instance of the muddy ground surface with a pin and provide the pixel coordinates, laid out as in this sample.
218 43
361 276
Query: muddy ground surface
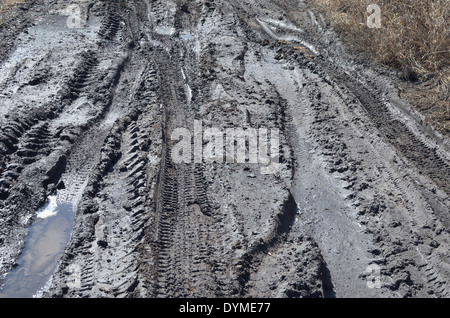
358 206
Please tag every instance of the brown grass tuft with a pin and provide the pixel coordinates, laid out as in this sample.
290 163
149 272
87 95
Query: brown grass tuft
414 38
5 6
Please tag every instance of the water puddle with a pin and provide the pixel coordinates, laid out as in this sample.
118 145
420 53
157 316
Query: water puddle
47 238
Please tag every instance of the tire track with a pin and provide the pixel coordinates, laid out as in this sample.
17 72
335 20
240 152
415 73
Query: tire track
149 227
395 132
394 187
165 220
111 23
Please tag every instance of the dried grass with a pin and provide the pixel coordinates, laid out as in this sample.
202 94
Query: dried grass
5 6
414 38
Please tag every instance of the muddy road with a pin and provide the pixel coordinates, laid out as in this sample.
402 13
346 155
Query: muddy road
354 202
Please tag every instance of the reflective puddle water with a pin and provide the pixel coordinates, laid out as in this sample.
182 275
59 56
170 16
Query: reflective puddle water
47 238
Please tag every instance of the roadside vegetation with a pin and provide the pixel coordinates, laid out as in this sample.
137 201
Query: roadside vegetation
5 6
414 38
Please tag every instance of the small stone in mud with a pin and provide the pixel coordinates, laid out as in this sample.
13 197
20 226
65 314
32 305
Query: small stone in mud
395 224
434 244
102 243
184 8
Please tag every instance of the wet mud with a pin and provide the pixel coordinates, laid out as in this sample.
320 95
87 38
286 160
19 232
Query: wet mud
359 192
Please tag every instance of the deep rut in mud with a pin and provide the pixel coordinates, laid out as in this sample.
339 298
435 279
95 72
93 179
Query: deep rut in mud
88 112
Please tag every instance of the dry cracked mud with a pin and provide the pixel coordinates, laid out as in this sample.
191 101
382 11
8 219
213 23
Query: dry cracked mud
357 207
